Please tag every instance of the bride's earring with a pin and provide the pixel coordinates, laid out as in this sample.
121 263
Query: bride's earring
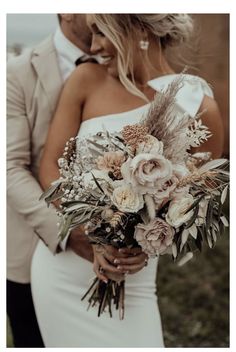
144 44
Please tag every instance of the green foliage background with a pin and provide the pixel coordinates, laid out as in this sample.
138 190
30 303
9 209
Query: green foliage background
194 299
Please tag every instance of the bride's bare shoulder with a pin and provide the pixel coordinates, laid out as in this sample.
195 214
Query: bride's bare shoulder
88 74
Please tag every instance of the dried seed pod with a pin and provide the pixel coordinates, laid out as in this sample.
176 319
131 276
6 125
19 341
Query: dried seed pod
107 214
117 219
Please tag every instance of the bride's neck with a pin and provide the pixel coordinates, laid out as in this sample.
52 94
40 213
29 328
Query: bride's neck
151 64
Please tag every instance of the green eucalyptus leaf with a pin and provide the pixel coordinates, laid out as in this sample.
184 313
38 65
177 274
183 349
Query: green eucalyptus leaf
49 192
65 226
194 217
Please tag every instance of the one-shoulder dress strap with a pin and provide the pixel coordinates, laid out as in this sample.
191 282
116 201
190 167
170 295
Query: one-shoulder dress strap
190 95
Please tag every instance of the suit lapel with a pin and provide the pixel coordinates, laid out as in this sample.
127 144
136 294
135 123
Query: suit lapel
45 62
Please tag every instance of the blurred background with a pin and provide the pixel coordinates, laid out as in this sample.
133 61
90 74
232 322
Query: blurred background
193 299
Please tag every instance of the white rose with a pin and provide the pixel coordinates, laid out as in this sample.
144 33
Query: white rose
145 171
126 199
176 215
151 145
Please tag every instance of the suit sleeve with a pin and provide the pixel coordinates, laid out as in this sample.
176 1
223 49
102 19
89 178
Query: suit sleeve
23 190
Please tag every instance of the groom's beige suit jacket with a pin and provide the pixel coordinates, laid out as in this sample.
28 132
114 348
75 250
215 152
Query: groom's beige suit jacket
34 83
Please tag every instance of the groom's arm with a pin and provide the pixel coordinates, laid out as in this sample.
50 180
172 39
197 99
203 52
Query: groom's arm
23 190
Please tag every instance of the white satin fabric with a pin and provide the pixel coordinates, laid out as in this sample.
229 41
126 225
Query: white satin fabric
59 282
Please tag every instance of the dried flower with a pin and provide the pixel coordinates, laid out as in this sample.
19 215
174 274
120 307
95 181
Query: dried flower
70 149
111 161
134 134
151 145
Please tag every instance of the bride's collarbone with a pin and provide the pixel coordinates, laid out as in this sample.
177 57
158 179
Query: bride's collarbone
110 101
105 105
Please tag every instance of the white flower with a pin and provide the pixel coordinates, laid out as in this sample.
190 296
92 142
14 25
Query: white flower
62 162
146 171
177 212
126 199
101 177
151 145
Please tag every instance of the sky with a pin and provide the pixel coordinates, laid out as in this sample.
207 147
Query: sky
29 29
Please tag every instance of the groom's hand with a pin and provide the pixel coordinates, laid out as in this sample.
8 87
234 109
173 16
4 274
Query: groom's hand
79 243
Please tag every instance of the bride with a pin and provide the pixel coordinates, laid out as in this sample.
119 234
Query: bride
113 94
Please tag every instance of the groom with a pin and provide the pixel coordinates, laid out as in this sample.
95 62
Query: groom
34 82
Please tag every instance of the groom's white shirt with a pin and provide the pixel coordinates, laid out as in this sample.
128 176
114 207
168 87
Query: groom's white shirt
67 52
34 83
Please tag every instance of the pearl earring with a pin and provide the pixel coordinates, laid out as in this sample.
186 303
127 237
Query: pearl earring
144 44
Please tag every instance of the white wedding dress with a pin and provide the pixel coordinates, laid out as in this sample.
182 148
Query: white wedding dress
59 282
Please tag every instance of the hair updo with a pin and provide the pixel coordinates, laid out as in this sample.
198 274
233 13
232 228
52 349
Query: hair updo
168 29
172 29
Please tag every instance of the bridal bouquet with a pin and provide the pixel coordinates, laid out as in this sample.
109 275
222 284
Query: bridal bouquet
142 187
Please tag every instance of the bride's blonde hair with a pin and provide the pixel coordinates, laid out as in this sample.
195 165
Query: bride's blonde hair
121 30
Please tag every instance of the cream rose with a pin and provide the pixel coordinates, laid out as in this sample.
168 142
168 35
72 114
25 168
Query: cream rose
151 145
145 171
126 199
155 237
176 215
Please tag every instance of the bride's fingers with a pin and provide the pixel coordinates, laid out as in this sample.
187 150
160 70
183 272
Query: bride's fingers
99 272
134 268
106 265
130 251
138 259
110 258
113 252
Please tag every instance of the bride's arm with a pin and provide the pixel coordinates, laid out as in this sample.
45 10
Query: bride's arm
65 124
211 118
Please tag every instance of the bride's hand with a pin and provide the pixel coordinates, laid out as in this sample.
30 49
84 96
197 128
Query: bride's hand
103 267
128 260
111 263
